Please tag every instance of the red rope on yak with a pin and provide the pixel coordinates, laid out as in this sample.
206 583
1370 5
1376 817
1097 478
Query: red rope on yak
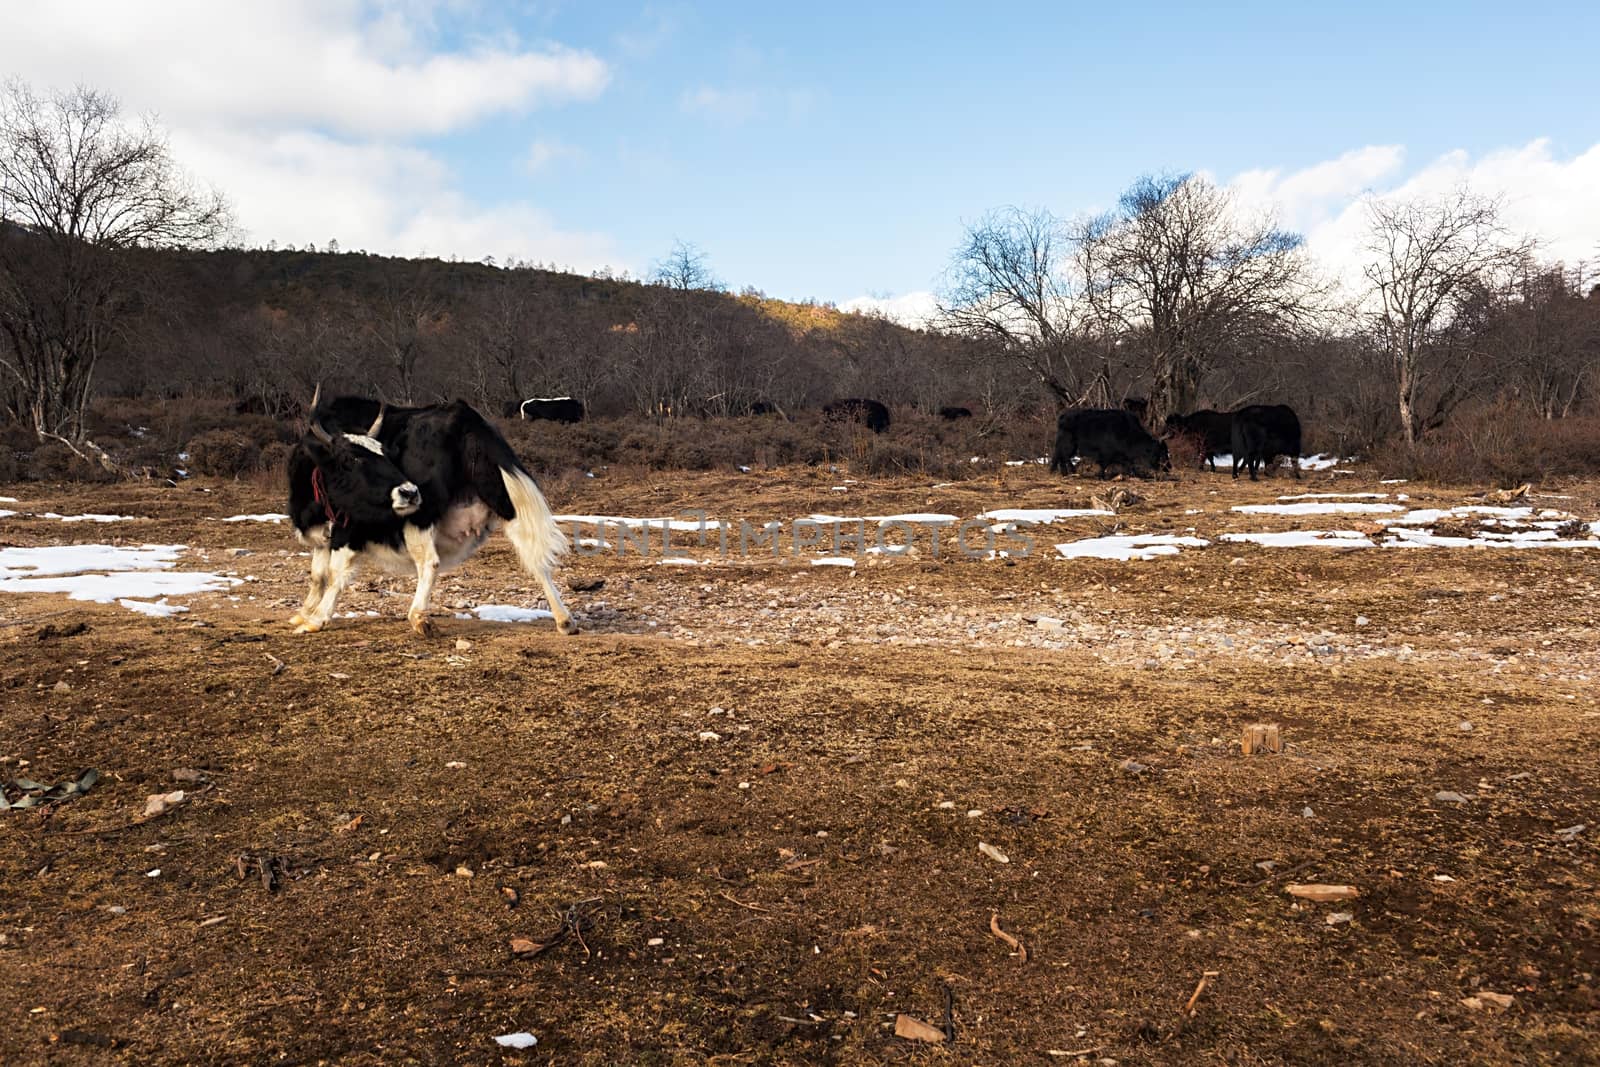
319 492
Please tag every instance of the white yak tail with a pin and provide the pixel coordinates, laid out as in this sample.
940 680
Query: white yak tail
539 540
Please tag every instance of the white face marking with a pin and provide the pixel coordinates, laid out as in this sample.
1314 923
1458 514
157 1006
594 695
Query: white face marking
369 443
406 498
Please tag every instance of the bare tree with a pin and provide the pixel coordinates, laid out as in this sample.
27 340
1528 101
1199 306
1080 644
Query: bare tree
408 312
1010 286
1429 259
1178 266
80 189
685 267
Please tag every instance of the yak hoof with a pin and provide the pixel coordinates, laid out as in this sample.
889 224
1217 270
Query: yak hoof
568 626
308 627
296 619
423 626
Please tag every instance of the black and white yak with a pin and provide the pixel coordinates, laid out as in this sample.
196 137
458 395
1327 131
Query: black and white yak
411 491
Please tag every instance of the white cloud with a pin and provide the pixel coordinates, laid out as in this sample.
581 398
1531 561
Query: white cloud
297 187
327 65
732 106
304 113
1307 197
1548 197
914 309
542 153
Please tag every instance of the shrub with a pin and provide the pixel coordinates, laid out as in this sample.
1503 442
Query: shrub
223 454
1500 445
10 464
52 461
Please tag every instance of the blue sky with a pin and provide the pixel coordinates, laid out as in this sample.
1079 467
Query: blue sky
835 150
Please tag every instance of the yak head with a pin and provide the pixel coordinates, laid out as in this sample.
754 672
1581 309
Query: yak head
356 478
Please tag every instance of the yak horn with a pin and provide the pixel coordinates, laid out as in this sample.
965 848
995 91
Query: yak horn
377 422
316 397
320 434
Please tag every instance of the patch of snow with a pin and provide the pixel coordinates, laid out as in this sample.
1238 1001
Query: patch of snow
1041 514
1318 462
1336 496
834 561
264 517
1323 507
1393 481
133 585
76 559
1401 537
160 608
918 517
4 514
1429 516
1129 547
684 561
677 525
105 573
509 613
1303 539
87 518
522 1039
8 500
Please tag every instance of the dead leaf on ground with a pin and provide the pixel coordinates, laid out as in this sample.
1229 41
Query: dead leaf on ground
1323 893
1017 945
916 1030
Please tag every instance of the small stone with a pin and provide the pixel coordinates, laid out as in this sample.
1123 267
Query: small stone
993 853
1445 796
1132 766
710 735
63 687
1362 620
117 909
1465 727
463 645
1307 813
656 942
901 783
744 785
1338 918
947 805
1486 1001
974 813
464 872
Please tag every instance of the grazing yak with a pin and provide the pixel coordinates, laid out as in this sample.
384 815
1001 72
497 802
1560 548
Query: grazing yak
413 491
1109 436
1211 432
1262 433
952 414
871 412
551 408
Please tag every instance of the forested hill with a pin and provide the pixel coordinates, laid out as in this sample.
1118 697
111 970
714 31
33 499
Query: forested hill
270 324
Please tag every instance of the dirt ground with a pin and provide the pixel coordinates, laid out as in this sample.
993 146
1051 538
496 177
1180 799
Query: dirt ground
743 809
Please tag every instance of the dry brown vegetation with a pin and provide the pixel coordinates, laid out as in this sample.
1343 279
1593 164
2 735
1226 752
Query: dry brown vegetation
779 894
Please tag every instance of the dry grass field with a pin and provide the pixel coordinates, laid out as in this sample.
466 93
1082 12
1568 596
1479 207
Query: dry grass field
739 818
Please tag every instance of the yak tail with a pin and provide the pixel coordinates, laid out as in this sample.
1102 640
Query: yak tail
538 539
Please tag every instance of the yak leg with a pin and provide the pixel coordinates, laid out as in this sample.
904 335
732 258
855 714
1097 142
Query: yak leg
425 554
342 564
564 623
319 583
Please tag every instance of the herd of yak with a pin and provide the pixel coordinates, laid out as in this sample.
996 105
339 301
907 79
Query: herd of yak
1255 435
